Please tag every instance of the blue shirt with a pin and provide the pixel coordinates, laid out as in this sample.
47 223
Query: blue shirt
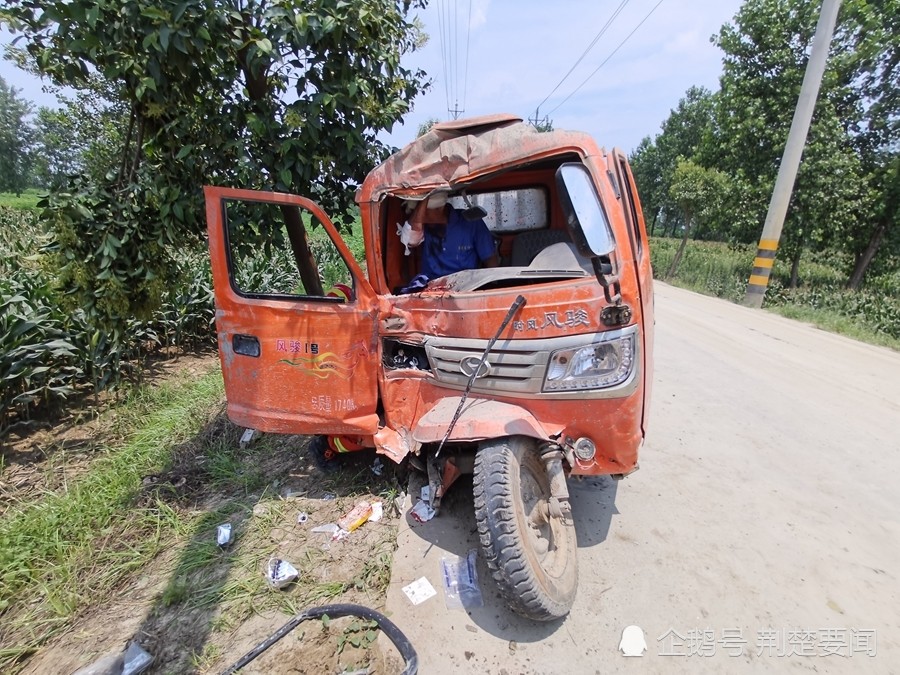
462 245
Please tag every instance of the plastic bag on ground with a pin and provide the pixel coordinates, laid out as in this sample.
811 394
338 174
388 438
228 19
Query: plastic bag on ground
460 579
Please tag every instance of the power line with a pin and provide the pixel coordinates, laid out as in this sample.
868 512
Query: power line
603 63
468 35
597 37
448 25
456 55
444 49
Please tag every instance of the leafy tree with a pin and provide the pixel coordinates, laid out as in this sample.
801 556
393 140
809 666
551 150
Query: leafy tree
699 194
57 155
845 196
685 133
16 137
287 96
874 41
648 175
425 126
881 230
766 50
85 134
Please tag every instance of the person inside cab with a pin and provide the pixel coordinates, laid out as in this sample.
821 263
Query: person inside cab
450 241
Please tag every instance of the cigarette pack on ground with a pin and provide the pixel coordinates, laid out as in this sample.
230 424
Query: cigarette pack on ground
280 573
356 517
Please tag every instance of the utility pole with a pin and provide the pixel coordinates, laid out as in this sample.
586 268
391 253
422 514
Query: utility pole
790 160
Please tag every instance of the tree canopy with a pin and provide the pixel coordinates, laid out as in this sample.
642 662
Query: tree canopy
286 96
843 197
16 137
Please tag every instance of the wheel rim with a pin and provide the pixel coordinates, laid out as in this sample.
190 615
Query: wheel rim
546 539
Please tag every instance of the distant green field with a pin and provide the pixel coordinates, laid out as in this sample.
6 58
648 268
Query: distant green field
27 200
871 314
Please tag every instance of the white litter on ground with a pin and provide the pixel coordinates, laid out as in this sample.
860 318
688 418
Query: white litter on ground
419 591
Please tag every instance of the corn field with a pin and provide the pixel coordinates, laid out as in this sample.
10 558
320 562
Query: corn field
48 353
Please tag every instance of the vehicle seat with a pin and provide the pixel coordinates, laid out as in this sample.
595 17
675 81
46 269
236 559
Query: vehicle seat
527 245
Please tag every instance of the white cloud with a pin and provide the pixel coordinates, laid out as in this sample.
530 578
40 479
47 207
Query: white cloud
479 13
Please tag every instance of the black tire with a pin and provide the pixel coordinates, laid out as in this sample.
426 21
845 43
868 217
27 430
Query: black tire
532 558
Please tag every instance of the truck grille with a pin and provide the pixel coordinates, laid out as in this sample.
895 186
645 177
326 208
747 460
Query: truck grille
515 366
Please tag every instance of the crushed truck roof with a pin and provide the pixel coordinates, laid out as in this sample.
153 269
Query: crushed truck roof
462 150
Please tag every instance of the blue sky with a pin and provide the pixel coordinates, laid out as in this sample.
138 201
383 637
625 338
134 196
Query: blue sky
519 50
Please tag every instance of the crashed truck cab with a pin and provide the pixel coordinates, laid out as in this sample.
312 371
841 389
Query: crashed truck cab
521 374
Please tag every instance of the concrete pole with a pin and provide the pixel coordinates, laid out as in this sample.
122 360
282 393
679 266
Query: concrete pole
790 160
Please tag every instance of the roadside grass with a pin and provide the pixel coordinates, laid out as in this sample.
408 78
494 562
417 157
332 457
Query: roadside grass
27 200
835 322
71 548
870 315
168 474
227 587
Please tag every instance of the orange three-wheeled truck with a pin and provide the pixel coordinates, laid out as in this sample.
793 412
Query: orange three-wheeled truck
522 373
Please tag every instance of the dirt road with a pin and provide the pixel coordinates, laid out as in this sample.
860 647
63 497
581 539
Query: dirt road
762 532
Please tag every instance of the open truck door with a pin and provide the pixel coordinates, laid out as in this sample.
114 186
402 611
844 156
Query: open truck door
295 317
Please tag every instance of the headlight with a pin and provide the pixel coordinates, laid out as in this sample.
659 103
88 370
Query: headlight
596 366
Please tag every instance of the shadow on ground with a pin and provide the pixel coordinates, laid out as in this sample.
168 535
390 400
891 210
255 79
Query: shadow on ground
196 607
453 533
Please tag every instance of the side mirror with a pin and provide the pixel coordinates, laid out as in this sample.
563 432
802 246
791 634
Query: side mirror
585 218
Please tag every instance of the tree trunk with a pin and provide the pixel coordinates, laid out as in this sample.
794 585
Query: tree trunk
138 150
306 263
258 88
126 147
673 268
795 267
866 257
665 227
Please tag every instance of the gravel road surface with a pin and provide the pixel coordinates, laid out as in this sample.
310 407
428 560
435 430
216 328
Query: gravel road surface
761 534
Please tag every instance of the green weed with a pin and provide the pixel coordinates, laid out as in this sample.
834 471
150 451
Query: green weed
361 634
70 549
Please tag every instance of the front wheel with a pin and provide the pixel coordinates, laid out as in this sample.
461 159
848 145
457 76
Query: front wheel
531 554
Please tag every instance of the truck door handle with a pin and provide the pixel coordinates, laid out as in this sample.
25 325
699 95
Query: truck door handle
246 345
